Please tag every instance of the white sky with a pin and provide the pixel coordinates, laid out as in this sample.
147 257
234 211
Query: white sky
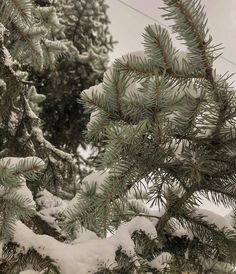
127 27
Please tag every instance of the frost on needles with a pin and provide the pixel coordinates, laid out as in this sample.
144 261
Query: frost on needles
166 121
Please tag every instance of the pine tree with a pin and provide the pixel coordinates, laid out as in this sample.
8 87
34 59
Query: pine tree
25 42
30 28
20 127
17 203
168 121
85 26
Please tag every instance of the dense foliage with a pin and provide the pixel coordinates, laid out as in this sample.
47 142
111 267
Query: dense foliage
85 27
167 122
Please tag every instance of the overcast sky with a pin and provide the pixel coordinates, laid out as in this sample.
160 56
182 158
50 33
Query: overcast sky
127 27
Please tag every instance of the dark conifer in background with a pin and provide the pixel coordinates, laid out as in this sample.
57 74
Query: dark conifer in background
85 27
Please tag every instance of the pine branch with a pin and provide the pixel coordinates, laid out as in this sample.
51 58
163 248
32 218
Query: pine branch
38 134
16 11
171 210
159 48
18 262
135 67
191 26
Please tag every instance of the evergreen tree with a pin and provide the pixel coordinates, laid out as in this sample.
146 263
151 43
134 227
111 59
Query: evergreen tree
167 121
27 42
30 32
85 26
24 42
20 127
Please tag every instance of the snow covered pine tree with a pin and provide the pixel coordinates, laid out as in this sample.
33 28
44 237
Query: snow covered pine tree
167 121
24 40
85 26
84 30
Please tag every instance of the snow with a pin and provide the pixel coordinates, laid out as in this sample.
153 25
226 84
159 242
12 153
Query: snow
126 230
38 134
49 15
161 261
29 271
85 256
138 203
84 236
22 190
98 89
3 84
25 192
97 178
180 231
1 247
132 90
93 117
7 57
218 267
157 212
53 211
50 215
13 123
230 217
85 154
139 54
177 147
50 207
45 199
2 30
34 96
213 218
192 91
12 162
182 56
